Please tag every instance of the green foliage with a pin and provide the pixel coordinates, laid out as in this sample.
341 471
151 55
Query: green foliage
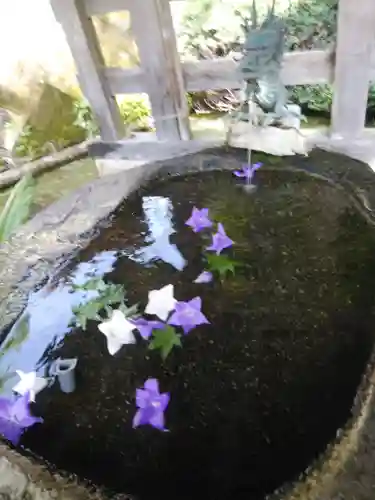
84 118
309 24
221 264
32 141
312 25
80 124
135 113
109 294
17 207
313 98
164 340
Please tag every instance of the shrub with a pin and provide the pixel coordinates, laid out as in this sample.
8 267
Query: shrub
32 143
311 24
135 112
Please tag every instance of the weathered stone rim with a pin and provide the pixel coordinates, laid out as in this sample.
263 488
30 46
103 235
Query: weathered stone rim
68 225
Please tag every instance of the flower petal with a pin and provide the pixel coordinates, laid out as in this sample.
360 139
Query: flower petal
113 345
220 229
152 384
204 277
158 420
4 408
175 318
118 317
161 302
105 327
143 416
164 400
187 328
195 303
137 418
11 431
19 409
239 173
142 398
201 319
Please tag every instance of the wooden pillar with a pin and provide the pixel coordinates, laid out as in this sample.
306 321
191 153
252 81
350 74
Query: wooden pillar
355 37
84 45
152 26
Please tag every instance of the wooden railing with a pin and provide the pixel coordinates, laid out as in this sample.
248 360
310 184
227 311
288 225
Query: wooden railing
166 79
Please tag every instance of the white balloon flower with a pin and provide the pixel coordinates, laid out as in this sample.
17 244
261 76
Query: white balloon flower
29 383
118 330
161 302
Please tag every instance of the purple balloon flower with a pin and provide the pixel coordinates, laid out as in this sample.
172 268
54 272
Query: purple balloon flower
15 418
145 327
199 219
151 405
248 171
220 240
188 315
204 277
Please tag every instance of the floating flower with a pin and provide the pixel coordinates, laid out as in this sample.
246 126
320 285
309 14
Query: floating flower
15 418
151 405
188 315
118 330
161 302
204 277
220 240
146 327
29 383
248 171
199 219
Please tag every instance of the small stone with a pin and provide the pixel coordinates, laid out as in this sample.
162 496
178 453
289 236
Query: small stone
12 481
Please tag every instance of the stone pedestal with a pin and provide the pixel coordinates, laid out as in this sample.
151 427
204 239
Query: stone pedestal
271 140
286 139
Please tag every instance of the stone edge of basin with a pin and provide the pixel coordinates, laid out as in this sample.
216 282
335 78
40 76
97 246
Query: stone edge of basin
346 471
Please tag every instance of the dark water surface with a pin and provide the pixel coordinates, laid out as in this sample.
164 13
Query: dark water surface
256 395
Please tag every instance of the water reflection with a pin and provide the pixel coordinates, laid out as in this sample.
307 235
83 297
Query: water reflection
158 213
46 320
40 330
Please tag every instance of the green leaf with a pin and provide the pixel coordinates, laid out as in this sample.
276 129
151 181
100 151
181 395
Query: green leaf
17 207
222 264
165 340
86 312
92 284
112 294
109 294
128 311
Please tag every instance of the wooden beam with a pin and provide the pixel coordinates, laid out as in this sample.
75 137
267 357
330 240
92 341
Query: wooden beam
152 26
299 68
355 38
83 43
126 81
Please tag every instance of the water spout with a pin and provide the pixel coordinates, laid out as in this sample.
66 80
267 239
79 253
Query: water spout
64 370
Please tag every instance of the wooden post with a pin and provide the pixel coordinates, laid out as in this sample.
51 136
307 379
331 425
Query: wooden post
152 25
356 29
83 43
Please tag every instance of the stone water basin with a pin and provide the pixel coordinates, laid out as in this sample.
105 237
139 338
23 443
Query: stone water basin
257 395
